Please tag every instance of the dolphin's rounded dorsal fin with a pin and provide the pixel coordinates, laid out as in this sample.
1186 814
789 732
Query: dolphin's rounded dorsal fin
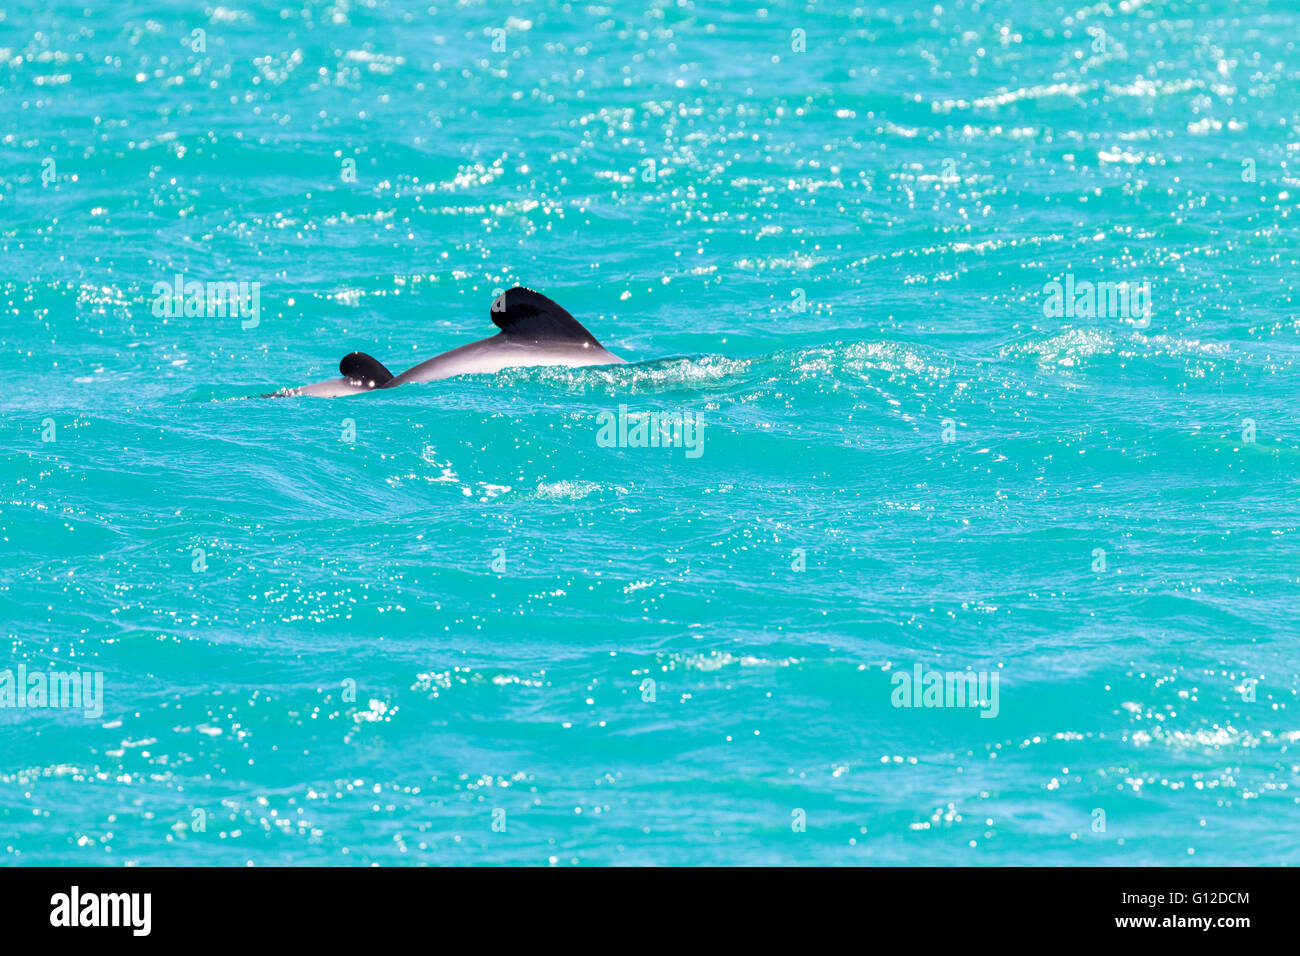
530 316
360 367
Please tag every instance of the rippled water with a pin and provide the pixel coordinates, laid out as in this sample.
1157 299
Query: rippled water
424 621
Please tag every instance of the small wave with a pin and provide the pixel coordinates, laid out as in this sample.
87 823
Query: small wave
1073 346
1067 348
657 375
572 490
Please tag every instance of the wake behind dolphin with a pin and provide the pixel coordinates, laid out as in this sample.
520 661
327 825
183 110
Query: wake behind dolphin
534 331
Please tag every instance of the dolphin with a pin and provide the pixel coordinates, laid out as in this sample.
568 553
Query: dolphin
534 331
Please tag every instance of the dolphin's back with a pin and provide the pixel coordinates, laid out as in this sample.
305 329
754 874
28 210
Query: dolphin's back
535 331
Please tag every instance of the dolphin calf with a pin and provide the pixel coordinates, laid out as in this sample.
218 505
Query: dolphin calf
534 331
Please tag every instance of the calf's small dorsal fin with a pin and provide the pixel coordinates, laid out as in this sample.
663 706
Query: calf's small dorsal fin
530 316
360 367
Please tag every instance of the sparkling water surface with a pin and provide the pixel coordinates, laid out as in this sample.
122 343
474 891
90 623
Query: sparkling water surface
443 624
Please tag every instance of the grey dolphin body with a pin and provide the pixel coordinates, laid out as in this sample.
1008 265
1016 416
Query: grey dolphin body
534 331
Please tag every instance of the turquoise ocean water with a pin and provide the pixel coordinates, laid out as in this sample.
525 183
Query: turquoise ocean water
444 625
